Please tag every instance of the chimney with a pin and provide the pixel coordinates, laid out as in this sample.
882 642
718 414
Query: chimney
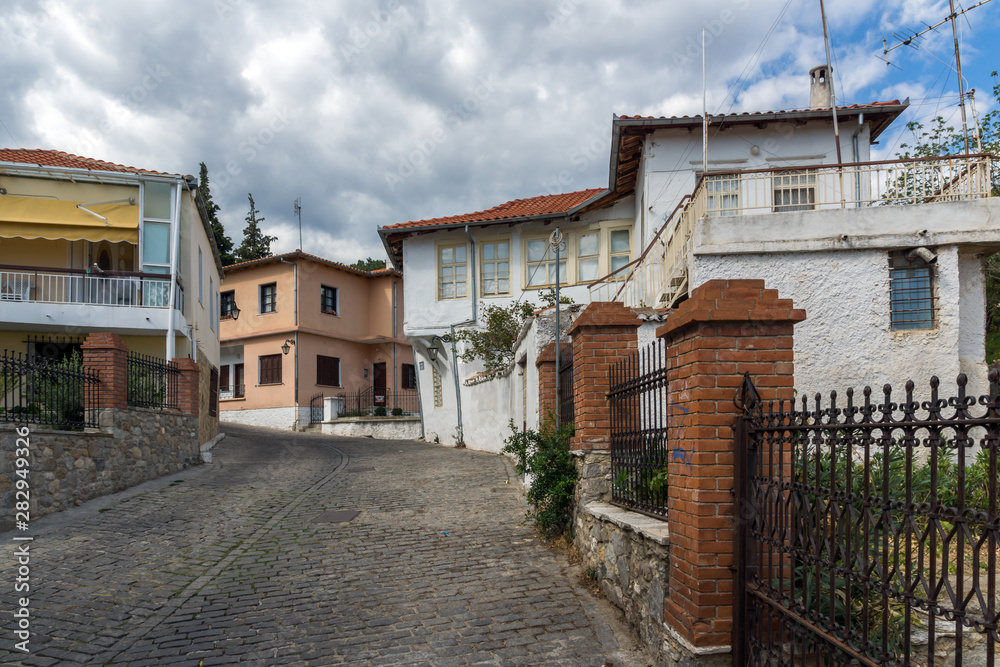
819 87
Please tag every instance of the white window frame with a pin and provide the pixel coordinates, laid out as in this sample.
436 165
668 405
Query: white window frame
722 194
572 253
483 262
791 182
439 265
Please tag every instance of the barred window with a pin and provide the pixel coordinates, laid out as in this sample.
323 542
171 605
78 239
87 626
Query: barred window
911 291
723 194
794 191
270 369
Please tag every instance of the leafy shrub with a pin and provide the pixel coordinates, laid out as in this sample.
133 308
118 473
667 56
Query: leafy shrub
397 412
380 412
545 456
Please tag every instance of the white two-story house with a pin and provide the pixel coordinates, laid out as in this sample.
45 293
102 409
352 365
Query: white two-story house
886 257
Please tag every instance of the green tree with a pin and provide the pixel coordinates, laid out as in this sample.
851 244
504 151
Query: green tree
369 264
942 139
256 244
222 242
493 344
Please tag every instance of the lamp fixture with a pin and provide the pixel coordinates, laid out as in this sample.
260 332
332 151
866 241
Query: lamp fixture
287 346
234 311
434 347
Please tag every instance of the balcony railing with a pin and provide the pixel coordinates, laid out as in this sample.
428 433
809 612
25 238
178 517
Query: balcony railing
69 286
231 392
659 277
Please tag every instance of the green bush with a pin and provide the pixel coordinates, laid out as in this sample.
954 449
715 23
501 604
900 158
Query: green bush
397 412
380 412
545 456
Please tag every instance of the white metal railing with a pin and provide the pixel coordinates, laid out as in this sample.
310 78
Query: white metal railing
659 278
99 290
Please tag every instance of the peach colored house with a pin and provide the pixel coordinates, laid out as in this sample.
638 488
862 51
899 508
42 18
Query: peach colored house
307 326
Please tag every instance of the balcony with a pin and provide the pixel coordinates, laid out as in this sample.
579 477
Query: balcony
659 277
231 392
50 297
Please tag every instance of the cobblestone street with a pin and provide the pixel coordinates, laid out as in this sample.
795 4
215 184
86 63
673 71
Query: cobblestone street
224 563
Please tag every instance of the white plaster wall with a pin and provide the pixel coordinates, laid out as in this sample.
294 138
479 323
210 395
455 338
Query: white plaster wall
674 156
487 409
426 315
972 321
846 340
646 333
283 418
383 428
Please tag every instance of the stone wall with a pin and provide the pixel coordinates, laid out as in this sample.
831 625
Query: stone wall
67 467
208 426
629 555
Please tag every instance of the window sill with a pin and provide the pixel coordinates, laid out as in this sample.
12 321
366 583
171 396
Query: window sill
330 386
330 312
270 384
232 400
269 312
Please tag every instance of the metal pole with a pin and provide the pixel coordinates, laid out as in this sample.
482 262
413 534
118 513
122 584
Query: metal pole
557 236
833 103
958 66
704 108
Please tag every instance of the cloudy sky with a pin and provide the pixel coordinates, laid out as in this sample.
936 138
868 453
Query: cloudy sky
381 111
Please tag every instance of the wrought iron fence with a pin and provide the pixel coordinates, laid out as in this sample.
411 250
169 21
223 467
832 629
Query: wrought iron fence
48 393
566 408
316 409
640 415
363 402
152 382
869 532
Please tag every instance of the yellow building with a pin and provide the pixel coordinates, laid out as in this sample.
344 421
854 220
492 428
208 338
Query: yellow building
88 245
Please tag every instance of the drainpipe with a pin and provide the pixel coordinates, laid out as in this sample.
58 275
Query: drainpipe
295 310
175 220
454 351
395 364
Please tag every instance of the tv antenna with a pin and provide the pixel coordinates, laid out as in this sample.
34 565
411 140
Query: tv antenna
298 215
958 58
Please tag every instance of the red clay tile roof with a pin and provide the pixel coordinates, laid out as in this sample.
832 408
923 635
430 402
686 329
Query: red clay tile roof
315 258
47 158
519 208
762 113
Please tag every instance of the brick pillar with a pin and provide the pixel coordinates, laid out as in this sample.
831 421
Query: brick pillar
725 328
107 355
188 396
546 365
602 333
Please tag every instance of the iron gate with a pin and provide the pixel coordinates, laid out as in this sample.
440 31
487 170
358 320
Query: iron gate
868 533
316 409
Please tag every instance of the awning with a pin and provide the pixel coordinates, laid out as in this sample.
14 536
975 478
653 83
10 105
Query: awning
30 218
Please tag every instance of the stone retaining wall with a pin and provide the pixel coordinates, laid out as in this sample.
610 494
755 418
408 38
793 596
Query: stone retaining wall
383 428
69 467
629 555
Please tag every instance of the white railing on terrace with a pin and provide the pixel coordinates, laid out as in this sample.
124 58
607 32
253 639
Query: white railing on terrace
52 286
659 277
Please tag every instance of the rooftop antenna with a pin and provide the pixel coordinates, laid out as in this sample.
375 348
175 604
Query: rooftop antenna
958 57
704 107
833 100
298 214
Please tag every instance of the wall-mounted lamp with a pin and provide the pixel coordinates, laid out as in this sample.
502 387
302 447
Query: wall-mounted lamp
433 348
234 311
287 346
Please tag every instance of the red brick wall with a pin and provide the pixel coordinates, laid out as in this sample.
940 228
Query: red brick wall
724 329
107 355
602 334
188 395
